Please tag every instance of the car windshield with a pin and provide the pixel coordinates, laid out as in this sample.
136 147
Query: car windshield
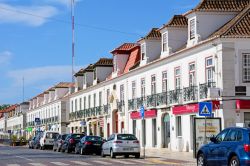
93 138
77 136
126 137
51 135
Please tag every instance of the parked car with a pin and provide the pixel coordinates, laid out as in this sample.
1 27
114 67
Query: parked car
121 144
230 147
31 142
58 142
89 145
70 142
47 139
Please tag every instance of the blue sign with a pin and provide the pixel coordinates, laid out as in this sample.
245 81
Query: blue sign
205 109
83 123
142 110
37 120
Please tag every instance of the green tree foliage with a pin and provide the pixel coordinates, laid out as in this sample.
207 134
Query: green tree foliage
3 106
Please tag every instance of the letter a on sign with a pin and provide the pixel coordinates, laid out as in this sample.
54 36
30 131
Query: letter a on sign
205 108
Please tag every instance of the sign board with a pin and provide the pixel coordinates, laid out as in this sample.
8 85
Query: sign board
213 127
37 120
83 123
142 111
29 129
205 109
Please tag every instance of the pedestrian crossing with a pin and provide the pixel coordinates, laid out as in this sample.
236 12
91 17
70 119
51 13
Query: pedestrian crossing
88 162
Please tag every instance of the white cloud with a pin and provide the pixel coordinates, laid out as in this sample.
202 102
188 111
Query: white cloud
31 15
41 75
5 57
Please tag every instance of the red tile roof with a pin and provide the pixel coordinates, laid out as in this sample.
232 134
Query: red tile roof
104 62
238 27
79 73
220 6
124 48
152 35
134 58
178 21
65 85
9 109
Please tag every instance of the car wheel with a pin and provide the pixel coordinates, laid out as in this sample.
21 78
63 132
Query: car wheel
201 161
102 154
234 161
126 156
112 155
137 155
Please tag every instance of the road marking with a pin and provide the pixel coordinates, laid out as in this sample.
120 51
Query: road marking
121 161
24 158
13 165
141 161
80 163
58 163
101 162
37 164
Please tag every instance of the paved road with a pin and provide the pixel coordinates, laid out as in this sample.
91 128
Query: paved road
22 156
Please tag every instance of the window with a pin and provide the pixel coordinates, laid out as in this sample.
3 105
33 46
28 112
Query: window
164 81
84 79
100 98
121 92
220 137
75 104
209 70
108 93
80 103
179 127
191 74
133 90
192 29
84 102
164 42
94 74
89 101
177 78
233 135
94 100
153 84
143 87
143 51
246 67
72 106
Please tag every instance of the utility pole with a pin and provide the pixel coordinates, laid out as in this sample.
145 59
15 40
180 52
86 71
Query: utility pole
23 88
73 36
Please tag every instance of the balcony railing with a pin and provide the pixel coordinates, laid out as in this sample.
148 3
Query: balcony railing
203 89
152 100
190 93
121 105
141 101
174 96
162 99
106 109
132 104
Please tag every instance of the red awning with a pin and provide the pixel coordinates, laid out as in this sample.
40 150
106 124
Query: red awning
148 114
242 104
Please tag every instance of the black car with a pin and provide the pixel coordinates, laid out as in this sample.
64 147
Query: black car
31 142
58 142
70 142
89 145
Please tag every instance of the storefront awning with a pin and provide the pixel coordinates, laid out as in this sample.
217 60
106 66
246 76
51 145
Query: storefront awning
147 114
242 104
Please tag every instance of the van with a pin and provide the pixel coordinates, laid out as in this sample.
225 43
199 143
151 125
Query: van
47 139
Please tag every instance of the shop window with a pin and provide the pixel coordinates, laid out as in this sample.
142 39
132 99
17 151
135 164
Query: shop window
179 126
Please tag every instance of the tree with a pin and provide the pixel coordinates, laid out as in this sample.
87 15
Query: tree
3 106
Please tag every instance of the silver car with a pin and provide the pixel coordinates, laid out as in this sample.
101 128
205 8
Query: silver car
121 144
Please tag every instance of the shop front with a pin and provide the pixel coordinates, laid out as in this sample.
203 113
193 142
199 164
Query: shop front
243 112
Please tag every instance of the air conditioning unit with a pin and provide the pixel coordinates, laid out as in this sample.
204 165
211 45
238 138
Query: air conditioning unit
214 92
240 90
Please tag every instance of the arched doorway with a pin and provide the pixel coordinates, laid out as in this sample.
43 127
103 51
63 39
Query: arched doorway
165 130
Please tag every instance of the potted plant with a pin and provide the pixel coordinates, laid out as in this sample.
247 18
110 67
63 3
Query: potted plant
13 140
23 140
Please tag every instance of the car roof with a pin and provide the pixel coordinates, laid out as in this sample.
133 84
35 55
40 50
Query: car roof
241 128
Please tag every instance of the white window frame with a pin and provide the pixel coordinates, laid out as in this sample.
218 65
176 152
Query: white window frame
209 70
143 51
122 92
133 89
192 25
143 94
164 42
246 67
177 78
164 81
153 84
192 78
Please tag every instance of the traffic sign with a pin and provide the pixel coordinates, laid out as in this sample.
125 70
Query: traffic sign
142 111
37 120
205 108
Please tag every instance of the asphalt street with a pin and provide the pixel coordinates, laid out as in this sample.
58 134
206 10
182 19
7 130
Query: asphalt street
22 156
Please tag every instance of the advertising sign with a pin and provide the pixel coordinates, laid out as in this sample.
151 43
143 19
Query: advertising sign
213 127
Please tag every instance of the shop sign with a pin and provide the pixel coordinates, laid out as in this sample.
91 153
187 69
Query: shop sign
193 108
204 131
83 123
242 104
147 114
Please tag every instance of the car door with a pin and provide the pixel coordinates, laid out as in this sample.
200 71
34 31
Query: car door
65 143
214 153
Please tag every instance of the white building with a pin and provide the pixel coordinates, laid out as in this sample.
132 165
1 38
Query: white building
202 55
50 107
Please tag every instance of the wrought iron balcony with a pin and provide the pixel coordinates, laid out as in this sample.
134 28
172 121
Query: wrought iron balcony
99 110
106 109
203 89
121 105
190 93
162 99
132 104
141 101
152 100
174 96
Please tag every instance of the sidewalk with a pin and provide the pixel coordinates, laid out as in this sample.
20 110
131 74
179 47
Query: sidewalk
164 154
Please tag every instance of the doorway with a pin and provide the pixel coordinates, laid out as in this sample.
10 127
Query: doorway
144 140
166 130
154 132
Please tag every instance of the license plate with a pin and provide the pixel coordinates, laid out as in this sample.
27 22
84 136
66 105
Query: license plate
128 149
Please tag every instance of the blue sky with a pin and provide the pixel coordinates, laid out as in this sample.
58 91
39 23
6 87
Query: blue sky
36 37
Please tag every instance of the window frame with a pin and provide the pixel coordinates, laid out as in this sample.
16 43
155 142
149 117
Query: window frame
133 86
153 84
177 78
246 67
143 51
164 41
209 68
192 25
192 73
143 83
164 81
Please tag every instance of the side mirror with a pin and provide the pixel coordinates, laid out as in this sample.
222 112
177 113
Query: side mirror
213 139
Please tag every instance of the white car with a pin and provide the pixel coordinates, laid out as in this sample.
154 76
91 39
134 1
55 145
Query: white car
121 144
47 139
